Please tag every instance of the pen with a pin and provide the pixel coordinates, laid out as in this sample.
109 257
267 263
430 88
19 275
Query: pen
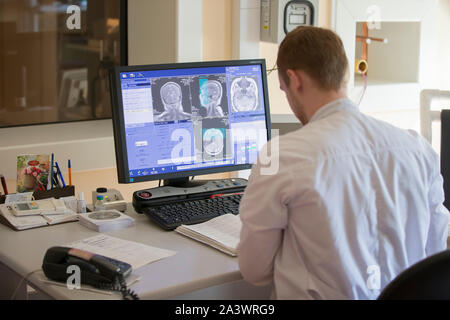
5 188
51 172
70 173
56 183
46 218
60 174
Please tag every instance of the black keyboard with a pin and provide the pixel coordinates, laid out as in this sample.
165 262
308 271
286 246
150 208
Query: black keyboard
170 216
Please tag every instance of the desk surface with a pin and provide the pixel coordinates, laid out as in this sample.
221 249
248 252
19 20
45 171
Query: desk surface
194 267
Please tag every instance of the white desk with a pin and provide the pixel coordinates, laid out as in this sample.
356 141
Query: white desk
197 271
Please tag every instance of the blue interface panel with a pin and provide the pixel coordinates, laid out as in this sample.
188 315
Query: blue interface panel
192 119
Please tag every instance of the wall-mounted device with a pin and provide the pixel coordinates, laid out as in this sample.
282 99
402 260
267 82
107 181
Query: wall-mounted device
279 17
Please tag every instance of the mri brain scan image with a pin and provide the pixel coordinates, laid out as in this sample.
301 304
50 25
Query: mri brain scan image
172 97
213 142
171 93
244 94
210 97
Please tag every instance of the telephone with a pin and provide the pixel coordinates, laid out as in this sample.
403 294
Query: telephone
96 270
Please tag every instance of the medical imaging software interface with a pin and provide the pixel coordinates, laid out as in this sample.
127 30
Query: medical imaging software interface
192 119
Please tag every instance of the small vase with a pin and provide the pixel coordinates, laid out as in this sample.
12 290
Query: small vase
29 182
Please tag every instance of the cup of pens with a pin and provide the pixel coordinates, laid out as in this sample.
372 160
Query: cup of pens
56 176
57 186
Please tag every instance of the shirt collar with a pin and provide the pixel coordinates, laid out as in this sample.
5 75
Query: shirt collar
334 106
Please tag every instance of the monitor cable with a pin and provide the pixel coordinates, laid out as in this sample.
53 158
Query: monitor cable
364 76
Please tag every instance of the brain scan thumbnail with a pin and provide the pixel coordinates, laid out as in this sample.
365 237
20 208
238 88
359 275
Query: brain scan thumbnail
171 97
213 142
210 97
171 93
244 94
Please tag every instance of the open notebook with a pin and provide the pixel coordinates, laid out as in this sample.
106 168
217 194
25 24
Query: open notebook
222 233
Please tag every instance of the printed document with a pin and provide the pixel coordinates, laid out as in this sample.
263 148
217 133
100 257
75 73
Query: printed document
134 253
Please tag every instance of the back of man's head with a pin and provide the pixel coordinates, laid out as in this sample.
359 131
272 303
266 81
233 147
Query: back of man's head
318 52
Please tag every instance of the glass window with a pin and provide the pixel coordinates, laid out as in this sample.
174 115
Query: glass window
54 59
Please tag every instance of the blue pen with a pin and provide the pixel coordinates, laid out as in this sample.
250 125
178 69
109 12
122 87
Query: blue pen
51 172
60 174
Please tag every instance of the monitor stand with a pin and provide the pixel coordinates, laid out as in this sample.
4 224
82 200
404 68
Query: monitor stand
184 189
184 183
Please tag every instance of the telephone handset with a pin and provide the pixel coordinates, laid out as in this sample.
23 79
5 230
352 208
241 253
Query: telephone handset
95 270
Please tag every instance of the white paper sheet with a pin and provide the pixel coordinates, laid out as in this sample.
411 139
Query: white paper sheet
134 253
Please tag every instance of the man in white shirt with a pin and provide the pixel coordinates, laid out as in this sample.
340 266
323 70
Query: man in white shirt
355 200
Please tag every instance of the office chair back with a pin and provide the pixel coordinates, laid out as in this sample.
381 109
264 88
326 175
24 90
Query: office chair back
428 279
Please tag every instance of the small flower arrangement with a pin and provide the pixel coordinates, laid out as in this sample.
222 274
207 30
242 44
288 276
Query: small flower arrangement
32 173
32 169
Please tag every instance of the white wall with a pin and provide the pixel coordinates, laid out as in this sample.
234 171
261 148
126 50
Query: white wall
245 29
89 145
189 30
444 45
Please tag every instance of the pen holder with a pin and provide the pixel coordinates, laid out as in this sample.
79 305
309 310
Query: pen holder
54 193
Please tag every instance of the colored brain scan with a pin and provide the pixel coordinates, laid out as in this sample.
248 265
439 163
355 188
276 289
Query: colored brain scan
213 142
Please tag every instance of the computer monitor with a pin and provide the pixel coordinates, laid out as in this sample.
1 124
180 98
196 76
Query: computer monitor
174 121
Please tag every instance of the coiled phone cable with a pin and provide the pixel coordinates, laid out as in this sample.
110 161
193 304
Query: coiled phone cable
119 285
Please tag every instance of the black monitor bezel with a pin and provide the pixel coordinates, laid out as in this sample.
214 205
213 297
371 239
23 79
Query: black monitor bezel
119 123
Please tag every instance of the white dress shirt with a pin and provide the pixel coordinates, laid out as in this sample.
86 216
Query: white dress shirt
355 202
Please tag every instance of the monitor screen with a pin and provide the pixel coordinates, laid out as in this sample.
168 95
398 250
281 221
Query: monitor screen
188 119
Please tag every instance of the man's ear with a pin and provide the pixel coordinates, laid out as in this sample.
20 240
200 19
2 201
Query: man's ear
295 81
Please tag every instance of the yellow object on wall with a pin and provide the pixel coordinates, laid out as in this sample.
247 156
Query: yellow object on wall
361 66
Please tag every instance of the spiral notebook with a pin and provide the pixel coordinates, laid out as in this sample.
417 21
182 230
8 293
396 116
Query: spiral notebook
222 233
